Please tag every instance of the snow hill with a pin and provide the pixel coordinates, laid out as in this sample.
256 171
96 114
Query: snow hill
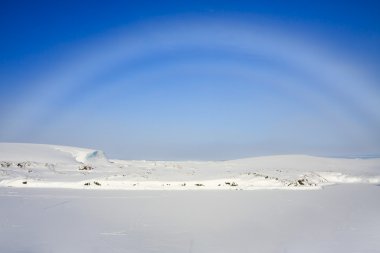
50 166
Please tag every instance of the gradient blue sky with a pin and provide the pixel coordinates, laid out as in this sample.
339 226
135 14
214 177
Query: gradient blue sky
192 79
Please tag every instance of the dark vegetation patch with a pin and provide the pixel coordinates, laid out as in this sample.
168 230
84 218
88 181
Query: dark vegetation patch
231 183
5 164
301 181
85 167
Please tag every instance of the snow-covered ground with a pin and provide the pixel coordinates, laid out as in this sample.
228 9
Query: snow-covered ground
47 203
337 219
48 166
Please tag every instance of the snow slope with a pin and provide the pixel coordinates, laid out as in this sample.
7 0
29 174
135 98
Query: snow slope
49 166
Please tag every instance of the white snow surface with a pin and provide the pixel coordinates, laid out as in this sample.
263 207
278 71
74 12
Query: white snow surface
338 219
50 166
45 205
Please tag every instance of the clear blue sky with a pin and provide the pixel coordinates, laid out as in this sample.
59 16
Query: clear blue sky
192 79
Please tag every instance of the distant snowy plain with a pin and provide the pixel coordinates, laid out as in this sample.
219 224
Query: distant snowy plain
47 166
65 199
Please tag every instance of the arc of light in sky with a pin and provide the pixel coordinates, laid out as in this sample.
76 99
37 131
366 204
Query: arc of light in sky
345 81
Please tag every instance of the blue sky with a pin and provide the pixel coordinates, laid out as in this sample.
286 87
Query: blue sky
192 79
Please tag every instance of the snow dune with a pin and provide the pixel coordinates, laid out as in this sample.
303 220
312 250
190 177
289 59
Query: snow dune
50 166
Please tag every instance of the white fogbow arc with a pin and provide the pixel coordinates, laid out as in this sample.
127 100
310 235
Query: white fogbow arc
348 94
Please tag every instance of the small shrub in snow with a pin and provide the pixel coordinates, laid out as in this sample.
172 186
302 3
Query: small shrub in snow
6 164
85 167
301 181
23 164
